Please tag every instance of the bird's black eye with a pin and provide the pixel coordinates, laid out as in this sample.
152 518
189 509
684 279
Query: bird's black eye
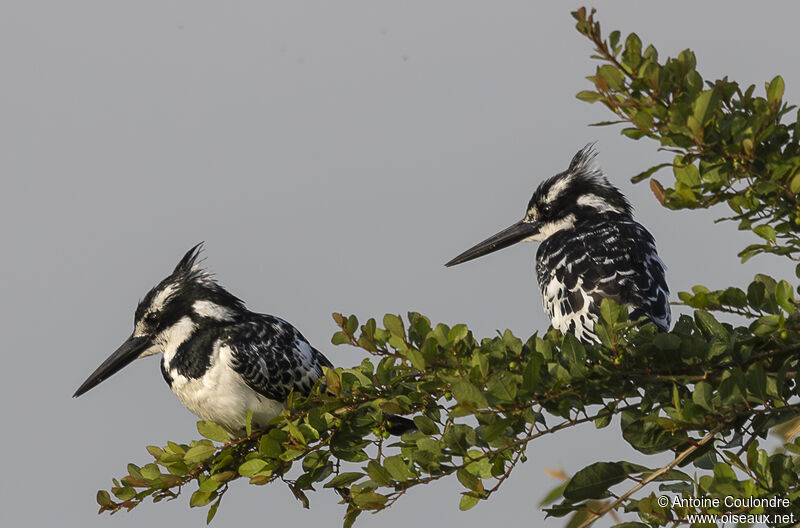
545 210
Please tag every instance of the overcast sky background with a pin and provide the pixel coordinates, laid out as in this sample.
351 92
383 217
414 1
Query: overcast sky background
333 155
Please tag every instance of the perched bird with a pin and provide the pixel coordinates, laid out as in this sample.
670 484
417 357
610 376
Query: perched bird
218 357
591 249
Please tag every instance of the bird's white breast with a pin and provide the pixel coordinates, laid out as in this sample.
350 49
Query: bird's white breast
221 396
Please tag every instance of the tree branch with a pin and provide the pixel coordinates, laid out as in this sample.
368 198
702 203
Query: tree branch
593 516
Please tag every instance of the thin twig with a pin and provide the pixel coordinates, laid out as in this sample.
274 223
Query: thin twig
593 516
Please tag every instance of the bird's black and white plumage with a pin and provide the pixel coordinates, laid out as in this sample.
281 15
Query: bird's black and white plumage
591 248
219 358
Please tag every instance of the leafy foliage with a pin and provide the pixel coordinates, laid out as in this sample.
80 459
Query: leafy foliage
477 405
732 146
707 391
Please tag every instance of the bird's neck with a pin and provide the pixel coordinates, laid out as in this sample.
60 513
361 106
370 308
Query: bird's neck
176 335
601 217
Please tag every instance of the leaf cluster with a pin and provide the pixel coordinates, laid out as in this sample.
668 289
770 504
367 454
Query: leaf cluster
731 145
477 405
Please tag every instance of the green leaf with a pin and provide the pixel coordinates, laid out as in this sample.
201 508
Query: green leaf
460 437
611 312
756 293
369 500
212 511
602 421
593 482
397 468
613 39
340 338
696 127
649 172
199 453
378 473
532 374
633 133
251 467
667 342
103 498
700 107
270 447
416 358
632 56
765 231
643 120
200 498
732 387
177 468
734 297
125 493
343 480
784 294
151 471
469 481
573 350
757 380
394 325
176 449
350 517
213 431
649 437
467 501
503 386
493 431
702 395
210 484
481 467
351 324
613 77
458 333
157 452
466 392
775 90
709 324
795 185
295 432
133 471
332 380
686 173
426 425
589 96
248 422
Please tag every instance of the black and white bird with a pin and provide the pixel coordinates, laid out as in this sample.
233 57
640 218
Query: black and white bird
591 248
218 357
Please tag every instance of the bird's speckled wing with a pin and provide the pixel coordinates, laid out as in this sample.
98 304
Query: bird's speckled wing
578 268
273 357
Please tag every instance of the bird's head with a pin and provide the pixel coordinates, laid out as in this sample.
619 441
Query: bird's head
170 312
580 194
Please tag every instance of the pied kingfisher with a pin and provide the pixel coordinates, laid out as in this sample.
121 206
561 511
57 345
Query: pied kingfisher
591 248
219 358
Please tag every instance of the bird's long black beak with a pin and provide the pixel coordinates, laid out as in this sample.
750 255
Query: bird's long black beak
507 237
124 355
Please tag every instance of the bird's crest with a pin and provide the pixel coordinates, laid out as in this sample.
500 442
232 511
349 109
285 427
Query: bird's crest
189 268
584 164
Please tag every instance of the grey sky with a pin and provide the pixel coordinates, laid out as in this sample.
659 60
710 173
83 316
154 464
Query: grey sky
333 155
